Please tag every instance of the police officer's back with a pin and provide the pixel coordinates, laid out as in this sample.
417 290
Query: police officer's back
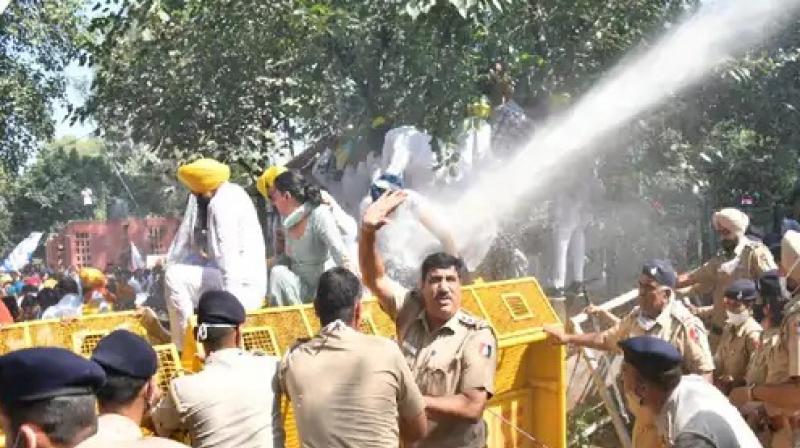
233 401
350 389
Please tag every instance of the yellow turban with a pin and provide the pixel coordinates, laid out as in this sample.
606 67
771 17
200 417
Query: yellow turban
267 180
92 278
204 175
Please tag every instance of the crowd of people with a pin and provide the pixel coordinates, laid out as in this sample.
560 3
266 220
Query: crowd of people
719 375
36 293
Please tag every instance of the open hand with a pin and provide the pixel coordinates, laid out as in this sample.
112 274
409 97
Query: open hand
377 214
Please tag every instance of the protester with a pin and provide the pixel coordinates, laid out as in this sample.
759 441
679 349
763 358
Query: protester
367 375
313 241
232 258
70 302
97 298
47 398
690 413
435 333
234 401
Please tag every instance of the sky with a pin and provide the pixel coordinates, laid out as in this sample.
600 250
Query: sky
79 80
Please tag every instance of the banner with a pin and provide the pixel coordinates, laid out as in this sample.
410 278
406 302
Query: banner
21 255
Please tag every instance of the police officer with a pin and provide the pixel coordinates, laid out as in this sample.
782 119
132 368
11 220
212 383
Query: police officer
661 315
233 401
690 412
770 312
740 336
47 397
781 393
452 355
130 392
740 257
365 374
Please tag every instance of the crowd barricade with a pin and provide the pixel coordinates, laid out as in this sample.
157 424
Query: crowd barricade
529 405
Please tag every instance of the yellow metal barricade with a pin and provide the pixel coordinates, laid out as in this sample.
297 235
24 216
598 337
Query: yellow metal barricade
529 406
81 335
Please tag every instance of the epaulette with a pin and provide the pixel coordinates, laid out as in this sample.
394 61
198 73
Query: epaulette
471 321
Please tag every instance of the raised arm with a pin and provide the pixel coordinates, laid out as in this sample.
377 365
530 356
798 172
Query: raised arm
373 273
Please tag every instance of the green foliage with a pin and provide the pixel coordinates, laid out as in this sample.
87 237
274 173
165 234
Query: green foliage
48 193
37 41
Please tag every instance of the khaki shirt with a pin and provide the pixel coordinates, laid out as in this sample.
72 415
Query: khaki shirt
676 325
113 429
737 346
348 389
786 362
757 369
459 356
232 402
751 259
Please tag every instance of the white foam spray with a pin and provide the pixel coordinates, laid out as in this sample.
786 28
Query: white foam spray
719 31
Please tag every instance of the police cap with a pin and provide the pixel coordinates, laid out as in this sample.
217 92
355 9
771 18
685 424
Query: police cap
125 353
742 290
40 373
219 307
650 356
661 271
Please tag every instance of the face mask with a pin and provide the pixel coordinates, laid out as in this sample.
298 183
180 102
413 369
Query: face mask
737 318
645 322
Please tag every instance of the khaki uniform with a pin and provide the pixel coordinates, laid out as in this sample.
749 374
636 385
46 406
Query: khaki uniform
232 402
735 349
115 429
366 386
757 371
751 259
677 325
459 356
783 366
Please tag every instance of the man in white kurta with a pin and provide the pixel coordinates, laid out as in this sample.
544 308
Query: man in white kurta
233 257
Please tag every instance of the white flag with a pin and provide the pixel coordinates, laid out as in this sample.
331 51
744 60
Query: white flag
137 262
21 255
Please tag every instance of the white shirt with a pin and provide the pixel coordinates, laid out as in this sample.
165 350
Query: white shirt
693 396
235 242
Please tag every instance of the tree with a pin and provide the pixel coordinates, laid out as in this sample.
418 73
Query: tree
48 194
243 80
37 41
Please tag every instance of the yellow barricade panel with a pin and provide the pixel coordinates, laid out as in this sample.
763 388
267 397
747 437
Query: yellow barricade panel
169 365
260 339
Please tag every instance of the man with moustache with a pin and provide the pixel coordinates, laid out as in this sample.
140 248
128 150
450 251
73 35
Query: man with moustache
452 355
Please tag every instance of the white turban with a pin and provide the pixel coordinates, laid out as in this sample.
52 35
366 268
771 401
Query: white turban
732 219
790 254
